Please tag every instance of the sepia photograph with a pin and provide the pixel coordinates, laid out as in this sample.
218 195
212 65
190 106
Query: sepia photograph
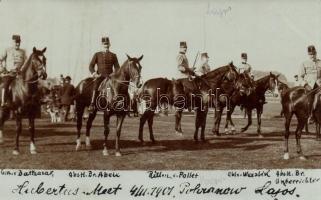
211 86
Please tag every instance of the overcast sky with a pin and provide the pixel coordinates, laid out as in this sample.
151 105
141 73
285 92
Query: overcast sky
275 35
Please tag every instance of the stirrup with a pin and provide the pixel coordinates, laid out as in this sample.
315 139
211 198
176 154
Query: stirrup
91 108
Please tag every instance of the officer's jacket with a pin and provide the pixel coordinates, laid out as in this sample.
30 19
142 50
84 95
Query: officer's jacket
13 58
105 62
310 71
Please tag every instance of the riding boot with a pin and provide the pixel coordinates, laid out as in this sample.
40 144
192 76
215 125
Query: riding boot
92 107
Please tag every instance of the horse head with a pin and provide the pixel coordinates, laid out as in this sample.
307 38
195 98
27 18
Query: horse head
273 83
134 70
35 66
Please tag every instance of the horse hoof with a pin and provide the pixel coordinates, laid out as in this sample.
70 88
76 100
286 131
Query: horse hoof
203 140
261 136
243 130
153 141
117 154
105 152
233 132
15 152
179 133
33 152
303 158
286 156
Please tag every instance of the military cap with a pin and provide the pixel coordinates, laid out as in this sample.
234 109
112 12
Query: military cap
68 78
16 38
244 55
183 44
105 40
204 55
311 50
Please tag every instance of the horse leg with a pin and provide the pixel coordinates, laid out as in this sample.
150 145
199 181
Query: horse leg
106 132
88 127
142 122
318 131
298 132
203 124
197 123
307 128
249 120
226 130
1 127
150 126
120 120
217 122
288 117
178 117
259 115
80 112
18 132
32 136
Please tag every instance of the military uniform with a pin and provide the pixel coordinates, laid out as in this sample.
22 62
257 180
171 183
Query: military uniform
105 62
311 71
182 65
245 68
14 59
205 67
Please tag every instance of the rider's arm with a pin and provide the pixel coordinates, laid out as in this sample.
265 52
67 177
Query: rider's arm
3 58
180 65
302 72
92 64
116 64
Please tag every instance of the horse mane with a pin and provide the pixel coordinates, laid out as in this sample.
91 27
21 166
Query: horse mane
218 72
26 65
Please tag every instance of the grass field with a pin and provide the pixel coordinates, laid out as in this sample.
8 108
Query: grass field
56 147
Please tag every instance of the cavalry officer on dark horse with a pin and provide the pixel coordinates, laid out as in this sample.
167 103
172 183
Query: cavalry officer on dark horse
14 59
105 61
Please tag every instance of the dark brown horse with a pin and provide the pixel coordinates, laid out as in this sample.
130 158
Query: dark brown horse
113 100
296 101
241 87
198 94
255 100
317 115
25 97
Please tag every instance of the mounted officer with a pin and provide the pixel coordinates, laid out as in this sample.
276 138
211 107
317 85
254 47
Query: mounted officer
245 67
205 67
107 63
11 62
310 72
182 62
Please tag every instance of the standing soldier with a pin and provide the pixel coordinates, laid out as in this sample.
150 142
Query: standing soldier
182 62
245 67
310 73
67 96
105 61
11 62
204 68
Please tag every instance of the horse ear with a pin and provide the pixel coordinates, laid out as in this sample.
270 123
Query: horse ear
44 50
34 49
140 58
277 76
129 58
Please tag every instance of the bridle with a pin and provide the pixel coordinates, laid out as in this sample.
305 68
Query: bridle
36 76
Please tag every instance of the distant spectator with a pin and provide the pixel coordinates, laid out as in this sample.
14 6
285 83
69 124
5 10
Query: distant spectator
67 96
